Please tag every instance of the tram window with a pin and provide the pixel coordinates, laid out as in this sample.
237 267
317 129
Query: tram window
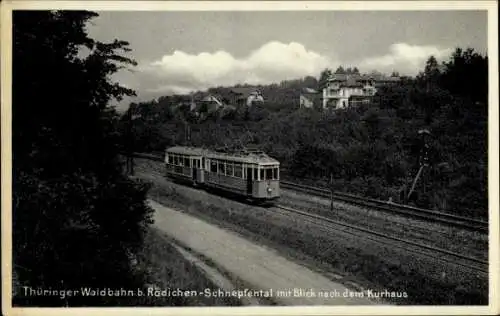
175 160
275 173
229 169
262 174
213 166
186 162
269 173
238 171
222 169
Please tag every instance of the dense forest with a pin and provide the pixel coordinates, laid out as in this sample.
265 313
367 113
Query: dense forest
77 218
374 150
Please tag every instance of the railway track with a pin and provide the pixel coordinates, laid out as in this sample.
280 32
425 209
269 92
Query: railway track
438 254
408 211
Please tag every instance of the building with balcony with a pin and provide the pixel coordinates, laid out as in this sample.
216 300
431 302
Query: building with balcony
344 90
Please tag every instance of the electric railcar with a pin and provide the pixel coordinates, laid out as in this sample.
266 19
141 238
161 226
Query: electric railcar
254 175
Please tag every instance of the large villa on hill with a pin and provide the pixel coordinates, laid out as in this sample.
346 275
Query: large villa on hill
343 90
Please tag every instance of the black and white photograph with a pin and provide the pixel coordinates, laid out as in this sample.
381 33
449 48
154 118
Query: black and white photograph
252 155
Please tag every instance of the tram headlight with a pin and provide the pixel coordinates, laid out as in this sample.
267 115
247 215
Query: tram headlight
269 190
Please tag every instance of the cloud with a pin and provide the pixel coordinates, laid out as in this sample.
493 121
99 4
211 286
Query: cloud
405 58
181 72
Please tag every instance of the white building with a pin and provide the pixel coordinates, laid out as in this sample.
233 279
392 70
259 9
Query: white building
309 98
343 90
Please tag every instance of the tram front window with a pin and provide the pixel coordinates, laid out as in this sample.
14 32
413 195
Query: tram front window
269 174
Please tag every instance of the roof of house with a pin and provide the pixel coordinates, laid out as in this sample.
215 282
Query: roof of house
352 82
212 98
244 91
309 91
358 77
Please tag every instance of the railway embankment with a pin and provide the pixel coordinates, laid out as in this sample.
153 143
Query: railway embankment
261 272
350 261
447 237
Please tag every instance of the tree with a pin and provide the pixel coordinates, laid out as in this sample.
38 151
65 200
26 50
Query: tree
466 74
323 78
349 71
340 70
76 217
310 82
431 72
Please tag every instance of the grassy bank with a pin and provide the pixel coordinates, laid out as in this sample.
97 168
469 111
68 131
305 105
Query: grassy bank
347 259
164 267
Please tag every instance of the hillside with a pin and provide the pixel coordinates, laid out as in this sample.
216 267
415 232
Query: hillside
374 149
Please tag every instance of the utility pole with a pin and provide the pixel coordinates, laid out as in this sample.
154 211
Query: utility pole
187 133
405 191
331 191
423 160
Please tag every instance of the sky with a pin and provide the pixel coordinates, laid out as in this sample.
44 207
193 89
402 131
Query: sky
179 52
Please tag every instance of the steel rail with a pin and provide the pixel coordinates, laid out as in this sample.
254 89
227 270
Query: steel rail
432 252
434 216
418 248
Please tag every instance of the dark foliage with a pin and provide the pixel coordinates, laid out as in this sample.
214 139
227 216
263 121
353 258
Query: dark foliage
373 149
76 217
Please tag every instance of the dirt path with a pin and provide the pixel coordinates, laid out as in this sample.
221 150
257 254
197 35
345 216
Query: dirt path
259 267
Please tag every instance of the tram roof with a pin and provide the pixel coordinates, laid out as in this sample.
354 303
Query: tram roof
190 151
253 158
244 157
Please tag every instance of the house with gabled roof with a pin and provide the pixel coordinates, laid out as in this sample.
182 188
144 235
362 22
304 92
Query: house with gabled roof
241 96
206 103
310 98
343 90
